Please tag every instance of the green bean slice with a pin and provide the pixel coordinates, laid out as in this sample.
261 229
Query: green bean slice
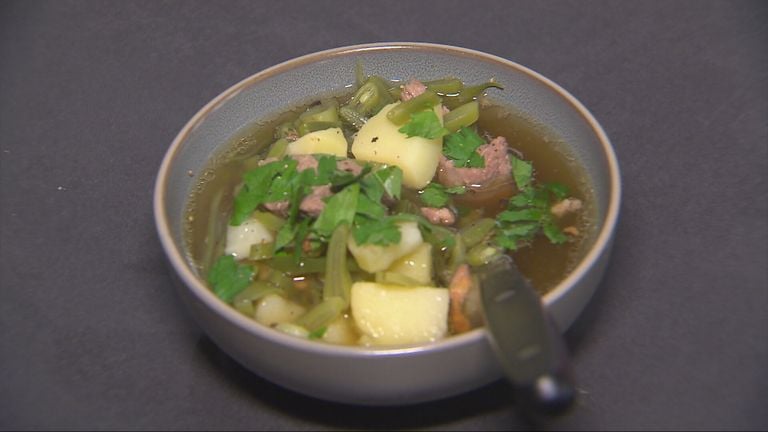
322 314
462 116
401 113
477 231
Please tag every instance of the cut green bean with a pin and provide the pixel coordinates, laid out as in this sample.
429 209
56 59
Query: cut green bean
278 148
284 130
307 127
352 117
469 94
306 265
338 281
359 74
244 300
458 253
271 221
293 330
462 116
481 254
280 280
327 111
402 113
477 231
288 265
445 86
261 251
322 314
370 97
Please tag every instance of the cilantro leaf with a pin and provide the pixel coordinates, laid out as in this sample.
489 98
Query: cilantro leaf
553 232
528 212
424 124
391 179
559 190
228 278
326 169
380 232
461 148
437 195
522 172
340 207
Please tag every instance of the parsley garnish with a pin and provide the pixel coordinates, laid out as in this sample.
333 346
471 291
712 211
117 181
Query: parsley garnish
382 232
527 214
437 195
461 148
228 278
425 124
339 208
522 172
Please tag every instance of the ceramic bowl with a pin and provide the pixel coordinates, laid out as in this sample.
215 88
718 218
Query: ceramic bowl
359 375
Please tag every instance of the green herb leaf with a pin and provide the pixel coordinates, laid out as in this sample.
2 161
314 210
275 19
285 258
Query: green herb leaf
553 232
339 208
461 148
437 195
228 278
522 172
558 190
380 232
424 124
391 179
530 214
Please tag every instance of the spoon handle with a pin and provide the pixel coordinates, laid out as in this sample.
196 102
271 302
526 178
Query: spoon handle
526 340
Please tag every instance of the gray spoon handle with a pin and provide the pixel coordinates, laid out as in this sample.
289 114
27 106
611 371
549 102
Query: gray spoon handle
527 342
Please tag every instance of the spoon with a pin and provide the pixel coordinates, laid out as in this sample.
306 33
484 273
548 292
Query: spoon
526 341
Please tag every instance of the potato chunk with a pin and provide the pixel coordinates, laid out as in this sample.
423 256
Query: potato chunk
374 258
417 265
327 141
394 315
241 237
380 141
273 310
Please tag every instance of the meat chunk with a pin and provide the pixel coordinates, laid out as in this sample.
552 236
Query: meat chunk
350 166
411 89
313 203
439 216
568 205
497 167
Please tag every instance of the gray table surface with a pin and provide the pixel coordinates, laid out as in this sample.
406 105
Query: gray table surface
92 335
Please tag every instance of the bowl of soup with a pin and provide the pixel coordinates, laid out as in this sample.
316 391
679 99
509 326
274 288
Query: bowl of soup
326 217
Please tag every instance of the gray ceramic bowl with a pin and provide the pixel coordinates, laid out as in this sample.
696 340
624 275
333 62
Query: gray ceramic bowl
354 374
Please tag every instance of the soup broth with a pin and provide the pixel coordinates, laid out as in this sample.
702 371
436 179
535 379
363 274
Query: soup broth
210 212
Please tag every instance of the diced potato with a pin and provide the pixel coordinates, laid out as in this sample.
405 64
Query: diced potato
417 265
273 309
380 141
241 237
393 314
341 331
327 141
375 258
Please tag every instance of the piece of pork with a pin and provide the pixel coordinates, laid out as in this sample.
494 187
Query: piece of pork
439 216
497 167
411 89
566 206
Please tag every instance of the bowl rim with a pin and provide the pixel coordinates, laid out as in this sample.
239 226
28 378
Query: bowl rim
191 281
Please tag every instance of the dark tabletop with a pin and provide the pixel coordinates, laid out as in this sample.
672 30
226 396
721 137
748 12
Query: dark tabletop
92 336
